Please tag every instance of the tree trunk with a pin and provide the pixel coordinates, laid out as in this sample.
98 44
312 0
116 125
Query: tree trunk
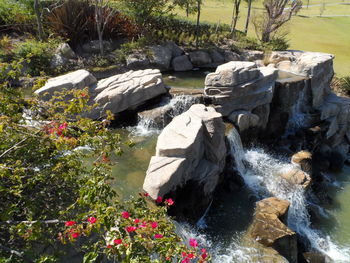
265 37
99 22
187 9
38 19
248 17
197 25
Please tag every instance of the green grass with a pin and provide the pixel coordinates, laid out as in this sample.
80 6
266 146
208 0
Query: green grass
308 31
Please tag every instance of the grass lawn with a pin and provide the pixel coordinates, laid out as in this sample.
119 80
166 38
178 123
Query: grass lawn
308 31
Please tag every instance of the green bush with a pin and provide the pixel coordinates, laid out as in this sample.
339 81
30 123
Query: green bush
15 15
277 44
37 53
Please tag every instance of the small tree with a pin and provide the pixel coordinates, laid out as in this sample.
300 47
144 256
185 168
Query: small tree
277 13
248 16
103 13
38 19
235 15
144 12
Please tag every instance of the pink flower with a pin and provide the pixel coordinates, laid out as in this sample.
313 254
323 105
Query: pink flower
117 241
193 242
125 215
136 220
204 250
184 254
154 224
92 220
75 235
169 201
190 255
204 255
63 126
159 199
130 229
158 236
70 223
143 225
185 260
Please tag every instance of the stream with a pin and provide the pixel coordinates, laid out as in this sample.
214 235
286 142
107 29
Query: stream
223 227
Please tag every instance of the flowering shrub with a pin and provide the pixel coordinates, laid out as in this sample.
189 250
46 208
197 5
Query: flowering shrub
50 196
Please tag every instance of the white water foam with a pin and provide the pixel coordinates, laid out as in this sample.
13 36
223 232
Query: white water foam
177 105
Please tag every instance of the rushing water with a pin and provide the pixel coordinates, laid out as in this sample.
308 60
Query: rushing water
227 221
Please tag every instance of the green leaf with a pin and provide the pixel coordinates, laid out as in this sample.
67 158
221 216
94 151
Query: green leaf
90 257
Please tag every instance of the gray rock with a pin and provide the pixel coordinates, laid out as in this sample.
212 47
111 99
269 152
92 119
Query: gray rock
66 51
232 73
58 61
244 119
137 61
252 55
242 88
182 63
126 91
200 58
75 80
216 56
161 57
175 49
94 46
231 56
191 147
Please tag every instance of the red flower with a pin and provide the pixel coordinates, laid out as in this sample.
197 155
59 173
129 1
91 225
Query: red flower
204 255
191 255
117 241
184 254
154 224
109 246
125 215
159 199
145 194
193 242
167 258
158 236
169 201
83 94
92 220
130 229
204 250
185 260
75 235
136 220
70 223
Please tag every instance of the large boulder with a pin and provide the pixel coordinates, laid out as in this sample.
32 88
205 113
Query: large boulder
182 63
269 229
126 91
296 176
190 150
117 93
240 86
74 80
160 57
175 49
200 58
137 60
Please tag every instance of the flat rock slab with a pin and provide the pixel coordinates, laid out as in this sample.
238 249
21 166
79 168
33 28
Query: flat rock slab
74 80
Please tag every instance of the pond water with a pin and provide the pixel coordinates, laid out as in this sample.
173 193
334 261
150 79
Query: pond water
189 79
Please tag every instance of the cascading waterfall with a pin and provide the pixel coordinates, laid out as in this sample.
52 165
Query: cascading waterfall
261 176
177 105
